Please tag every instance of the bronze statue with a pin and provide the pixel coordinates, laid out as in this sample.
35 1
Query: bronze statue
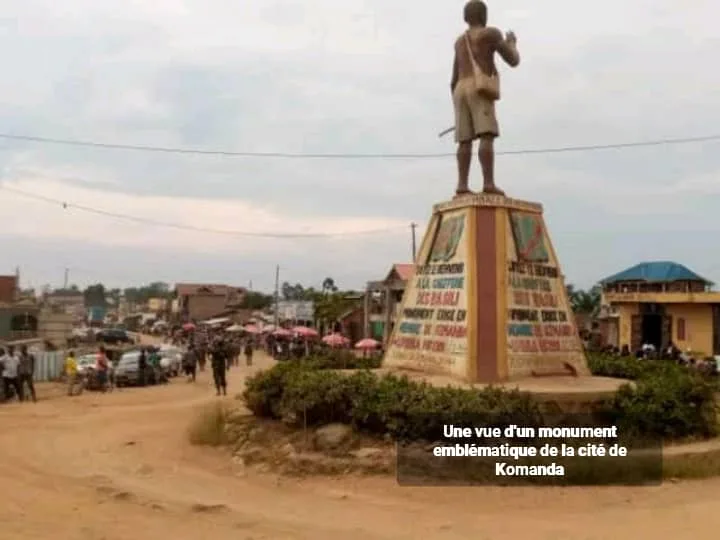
475 87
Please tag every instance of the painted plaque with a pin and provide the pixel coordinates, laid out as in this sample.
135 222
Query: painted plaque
431 329
529 237
541 331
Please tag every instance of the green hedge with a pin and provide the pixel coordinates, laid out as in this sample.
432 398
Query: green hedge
383 405
664 400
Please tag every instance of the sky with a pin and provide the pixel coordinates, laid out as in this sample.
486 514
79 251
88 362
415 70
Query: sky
370 76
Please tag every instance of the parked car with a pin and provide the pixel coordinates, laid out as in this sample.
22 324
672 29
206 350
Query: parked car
127 371
114 336
170 360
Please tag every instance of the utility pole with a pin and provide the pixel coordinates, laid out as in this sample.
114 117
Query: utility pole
413 226
250 286
67 277
277 296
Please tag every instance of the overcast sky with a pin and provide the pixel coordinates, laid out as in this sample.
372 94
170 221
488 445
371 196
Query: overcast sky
344 77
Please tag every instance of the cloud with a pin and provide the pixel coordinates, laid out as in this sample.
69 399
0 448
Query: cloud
361 77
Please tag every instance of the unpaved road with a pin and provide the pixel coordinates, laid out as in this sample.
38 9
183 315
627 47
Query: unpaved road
118 467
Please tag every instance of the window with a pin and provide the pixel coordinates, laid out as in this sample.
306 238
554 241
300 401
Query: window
681 329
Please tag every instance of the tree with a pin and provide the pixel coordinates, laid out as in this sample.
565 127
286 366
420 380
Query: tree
587 302
256 300
95 296
328 285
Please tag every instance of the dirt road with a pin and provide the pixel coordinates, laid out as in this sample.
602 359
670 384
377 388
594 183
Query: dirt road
118 466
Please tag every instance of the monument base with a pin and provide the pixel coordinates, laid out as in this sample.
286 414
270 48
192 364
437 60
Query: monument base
488 302
564 395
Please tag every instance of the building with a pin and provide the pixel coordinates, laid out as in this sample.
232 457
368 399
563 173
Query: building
68 301
8 289
157 305
197 302
383 300
661 303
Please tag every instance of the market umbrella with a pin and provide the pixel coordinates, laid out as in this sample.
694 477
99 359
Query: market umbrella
188 326
304 331
251 329
281 332
234 328
335 340
367 344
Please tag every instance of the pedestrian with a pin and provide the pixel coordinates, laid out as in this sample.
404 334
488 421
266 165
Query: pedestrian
71 373
102 367
190 362
26 372
219 368
248 353
11 364
142 368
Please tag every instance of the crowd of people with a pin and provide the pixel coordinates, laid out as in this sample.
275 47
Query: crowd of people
17 369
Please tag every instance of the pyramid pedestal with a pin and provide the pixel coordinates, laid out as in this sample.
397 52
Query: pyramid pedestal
488 301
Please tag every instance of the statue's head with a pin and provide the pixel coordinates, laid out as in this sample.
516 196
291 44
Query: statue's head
475 13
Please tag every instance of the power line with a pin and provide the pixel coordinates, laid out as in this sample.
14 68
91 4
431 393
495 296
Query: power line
137 219
288 155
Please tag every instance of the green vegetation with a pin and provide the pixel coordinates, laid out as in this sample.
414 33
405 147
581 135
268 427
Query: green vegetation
207 428
664 400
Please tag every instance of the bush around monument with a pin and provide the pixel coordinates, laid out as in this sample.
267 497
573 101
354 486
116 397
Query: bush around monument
385 405
665 400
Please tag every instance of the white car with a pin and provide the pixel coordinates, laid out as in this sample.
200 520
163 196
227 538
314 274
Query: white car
171 360
86 361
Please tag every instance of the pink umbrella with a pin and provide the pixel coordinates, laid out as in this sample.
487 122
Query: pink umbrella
367 344
304 331
335 340
281 332
188 326
251 329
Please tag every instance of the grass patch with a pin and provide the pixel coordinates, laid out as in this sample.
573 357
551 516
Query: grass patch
207 427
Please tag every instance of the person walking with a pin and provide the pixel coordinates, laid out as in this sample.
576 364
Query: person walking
219 368
190 361
248 350
142 368
102 368
71 373
26 372
10 367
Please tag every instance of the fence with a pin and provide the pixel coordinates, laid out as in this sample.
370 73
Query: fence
48 365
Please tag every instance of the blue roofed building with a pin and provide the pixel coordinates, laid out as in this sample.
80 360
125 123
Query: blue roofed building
662 302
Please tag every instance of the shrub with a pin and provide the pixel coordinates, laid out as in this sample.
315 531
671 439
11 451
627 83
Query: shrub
387 405
208 426
666 400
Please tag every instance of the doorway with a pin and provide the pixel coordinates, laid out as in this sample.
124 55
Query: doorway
652 330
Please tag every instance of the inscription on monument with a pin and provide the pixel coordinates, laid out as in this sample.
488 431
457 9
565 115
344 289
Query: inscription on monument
537 319
432 331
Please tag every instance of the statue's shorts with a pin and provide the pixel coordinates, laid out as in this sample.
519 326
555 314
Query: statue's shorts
474 113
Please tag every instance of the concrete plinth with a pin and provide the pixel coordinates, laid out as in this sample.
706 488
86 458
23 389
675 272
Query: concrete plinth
487 303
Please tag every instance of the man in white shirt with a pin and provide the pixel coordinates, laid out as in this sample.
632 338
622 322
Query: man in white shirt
10 364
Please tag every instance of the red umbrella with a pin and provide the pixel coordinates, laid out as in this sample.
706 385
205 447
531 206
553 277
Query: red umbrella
367 344
281 332
251 329
335 340
304 331
188 326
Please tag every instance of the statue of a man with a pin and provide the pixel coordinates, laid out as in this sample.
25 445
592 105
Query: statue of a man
474 66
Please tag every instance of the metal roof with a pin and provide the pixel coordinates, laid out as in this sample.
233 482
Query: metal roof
657 272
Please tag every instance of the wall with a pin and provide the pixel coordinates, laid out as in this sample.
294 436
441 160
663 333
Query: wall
8 289
55 327
625 313
698 327
352 325
205 306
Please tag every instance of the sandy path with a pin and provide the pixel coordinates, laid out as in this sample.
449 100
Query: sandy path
118 466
